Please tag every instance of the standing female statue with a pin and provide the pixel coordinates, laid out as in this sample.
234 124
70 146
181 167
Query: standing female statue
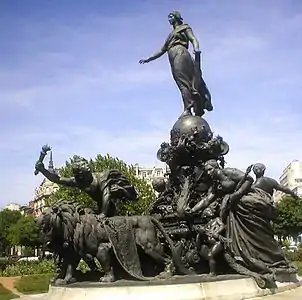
186 72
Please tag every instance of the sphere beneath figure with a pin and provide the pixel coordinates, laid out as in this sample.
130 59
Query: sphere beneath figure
159 184
189 125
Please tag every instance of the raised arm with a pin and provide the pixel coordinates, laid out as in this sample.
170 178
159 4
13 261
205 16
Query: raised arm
192 38
55 177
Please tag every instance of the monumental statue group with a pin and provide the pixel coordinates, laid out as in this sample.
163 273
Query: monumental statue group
206 219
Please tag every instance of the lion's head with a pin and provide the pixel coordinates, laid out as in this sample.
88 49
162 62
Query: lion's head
58 222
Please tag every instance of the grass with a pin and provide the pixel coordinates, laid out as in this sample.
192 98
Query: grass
33 284
5 294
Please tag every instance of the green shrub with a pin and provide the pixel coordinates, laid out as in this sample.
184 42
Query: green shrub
5 261
83 267
295 255
6 294
299 265
290 255
33 284
29 268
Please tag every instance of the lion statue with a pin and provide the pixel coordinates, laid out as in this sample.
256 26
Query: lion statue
124 246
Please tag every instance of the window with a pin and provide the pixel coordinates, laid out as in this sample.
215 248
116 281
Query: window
298 180
158 173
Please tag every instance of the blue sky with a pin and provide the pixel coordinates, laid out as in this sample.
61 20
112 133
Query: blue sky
70 77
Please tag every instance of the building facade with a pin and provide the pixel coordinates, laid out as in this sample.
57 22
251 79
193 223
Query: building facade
291 178
42 193
12 206
148 174
23 209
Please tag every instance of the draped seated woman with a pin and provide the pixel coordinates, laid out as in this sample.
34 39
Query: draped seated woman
251 248
185 71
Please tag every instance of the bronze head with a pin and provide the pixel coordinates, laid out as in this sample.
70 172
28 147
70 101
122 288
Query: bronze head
211 167
80 168
175 18
259 169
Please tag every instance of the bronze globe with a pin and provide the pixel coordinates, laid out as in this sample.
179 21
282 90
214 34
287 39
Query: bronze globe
187 125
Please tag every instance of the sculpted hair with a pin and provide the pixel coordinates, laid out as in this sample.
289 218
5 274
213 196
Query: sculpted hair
177 16
259 166
80 164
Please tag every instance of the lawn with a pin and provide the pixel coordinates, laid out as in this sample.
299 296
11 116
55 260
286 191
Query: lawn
6 294
33 284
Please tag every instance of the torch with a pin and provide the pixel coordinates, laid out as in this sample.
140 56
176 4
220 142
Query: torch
43 153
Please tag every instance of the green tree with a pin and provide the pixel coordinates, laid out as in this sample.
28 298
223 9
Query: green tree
7 219
289 217
99 164
24 233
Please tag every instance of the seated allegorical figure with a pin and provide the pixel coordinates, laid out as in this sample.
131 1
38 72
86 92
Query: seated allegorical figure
253 251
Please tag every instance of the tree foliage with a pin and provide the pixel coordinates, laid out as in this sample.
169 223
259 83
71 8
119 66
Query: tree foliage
289 217
99 164
24 233
7 219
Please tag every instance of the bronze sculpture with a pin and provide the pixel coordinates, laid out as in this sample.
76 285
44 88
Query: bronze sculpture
268 184
78 234
105 188
186 72
206 218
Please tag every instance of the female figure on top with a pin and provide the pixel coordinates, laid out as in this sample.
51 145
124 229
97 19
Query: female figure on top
186 72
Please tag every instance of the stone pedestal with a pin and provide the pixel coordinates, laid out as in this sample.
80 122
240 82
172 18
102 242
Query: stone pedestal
203 287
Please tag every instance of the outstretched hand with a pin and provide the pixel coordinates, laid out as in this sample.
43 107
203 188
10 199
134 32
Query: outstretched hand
143 61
